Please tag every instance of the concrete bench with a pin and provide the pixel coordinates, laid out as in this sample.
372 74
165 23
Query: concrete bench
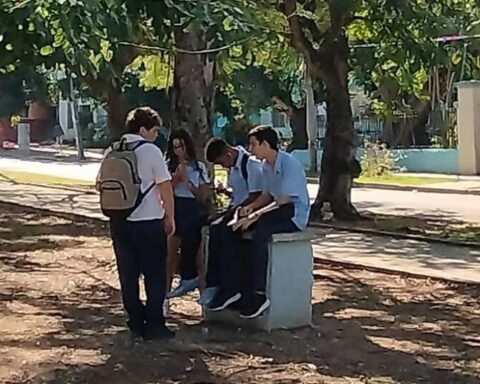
289 285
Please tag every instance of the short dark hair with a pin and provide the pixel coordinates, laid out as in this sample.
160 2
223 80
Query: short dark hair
215 148
142 117
265 133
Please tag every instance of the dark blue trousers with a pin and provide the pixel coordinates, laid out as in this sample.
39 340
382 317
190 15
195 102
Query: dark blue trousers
231 250
140 249
189 220
219 238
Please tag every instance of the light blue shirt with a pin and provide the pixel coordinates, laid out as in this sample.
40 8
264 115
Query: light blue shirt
241 188
287 179
198 175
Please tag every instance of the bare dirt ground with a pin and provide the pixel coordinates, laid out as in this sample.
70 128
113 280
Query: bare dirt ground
61 321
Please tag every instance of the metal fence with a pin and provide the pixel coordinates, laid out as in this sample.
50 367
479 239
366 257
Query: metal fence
440 129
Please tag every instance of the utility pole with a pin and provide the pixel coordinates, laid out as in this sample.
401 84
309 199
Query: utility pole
74 114
311 120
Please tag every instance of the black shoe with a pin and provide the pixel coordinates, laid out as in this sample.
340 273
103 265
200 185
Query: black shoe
137 329
158 333
222 300
253 308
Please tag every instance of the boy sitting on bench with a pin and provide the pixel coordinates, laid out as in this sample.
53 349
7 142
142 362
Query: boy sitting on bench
286 198
245 183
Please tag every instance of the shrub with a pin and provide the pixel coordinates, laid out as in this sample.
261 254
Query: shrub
378 160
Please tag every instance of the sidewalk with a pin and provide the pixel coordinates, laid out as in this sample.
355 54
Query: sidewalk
391 254
460 187
46 161
463 185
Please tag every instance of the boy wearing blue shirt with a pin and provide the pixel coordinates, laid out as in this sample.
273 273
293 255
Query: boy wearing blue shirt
245 181
285 187
245 177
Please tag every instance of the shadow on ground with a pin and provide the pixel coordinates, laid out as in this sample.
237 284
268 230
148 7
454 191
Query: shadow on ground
61 322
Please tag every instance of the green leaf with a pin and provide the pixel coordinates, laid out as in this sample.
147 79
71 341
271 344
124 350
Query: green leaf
83 70
457 58
228 23
58 39
105 50
47 50
236 51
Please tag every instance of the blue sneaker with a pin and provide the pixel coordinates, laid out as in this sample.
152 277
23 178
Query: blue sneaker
184 287
207 295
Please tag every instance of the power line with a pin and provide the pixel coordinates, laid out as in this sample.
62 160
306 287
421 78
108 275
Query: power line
180 50
441 39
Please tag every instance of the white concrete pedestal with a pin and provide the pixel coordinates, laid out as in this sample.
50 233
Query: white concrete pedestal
468 122
23 137
289 286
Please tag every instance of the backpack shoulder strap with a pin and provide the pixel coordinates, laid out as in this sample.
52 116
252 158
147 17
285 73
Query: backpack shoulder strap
116 145
136 144
200 171
122 145
244 168
147 191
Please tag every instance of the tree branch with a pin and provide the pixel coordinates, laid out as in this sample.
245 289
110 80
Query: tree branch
352 18
298 37
282 106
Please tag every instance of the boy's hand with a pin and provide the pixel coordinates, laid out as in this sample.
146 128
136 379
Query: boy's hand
245 211
220 188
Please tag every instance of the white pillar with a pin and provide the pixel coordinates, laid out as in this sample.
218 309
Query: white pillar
468 123
23 137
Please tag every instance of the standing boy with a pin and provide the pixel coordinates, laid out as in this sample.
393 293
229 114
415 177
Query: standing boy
136 193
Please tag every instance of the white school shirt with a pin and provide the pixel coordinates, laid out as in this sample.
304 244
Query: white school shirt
241 188
197 175
287 178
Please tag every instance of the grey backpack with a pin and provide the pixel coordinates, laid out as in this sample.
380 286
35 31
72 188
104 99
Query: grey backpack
119 183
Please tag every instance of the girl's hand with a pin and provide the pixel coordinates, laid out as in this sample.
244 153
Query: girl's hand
182 173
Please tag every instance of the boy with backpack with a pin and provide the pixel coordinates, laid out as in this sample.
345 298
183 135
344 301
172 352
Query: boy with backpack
136 194
245 184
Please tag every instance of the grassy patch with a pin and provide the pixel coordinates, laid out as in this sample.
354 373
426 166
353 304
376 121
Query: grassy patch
398 179
404 180
35 178
428 226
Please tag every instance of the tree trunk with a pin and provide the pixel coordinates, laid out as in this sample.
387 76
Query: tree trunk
298 123
110 90
327 61
193 93
387 136
413 132
420 126
338 166
117 112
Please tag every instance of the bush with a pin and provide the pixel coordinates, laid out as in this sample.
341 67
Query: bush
378 160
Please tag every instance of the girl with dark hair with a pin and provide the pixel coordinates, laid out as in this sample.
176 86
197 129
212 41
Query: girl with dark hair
191 188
